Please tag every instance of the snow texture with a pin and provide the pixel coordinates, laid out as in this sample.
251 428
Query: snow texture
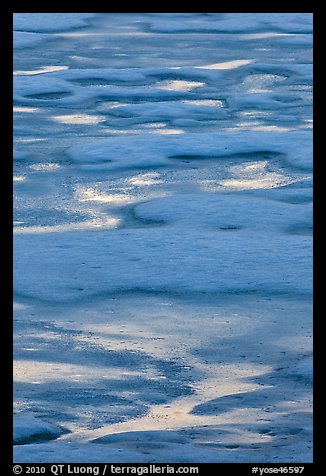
163 237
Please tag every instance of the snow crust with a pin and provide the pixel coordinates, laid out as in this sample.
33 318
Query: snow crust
163 237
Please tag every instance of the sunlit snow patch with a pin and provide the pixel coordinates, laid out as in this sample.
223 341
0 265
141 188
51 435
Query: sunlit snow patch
167 131
32 139
86 194
141 180
45 167
44 69
204 102
260 36
255 176
258 127
24 109
18 306
19 178
79 119
226 65
178 85
96 223
258 83
154 125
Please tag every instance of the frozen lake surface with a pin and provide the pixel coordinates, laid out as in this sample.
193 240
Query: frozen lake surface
163 237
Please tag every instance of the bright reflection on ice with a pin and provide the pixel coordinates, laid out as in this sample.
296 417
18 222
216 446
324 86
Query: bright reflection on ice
166 131
44 69
255 176
154 125
18 306
90 194
123 131
305 126
178 85
226 65
77 34
258 36
78 58
24 109
179 414
78 119
98 223
110 105
160 128
256 126
256 83
45 167
308 124
271 128
141 180
141 131
19 178
204 102
32 139
24 372
254 113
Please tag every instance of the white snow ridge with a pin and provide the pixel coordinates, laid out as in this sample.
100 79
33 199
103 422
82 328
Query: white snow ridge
163 237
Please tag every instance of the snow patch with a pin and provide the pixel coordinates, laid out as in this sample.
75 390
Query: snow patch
226 64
